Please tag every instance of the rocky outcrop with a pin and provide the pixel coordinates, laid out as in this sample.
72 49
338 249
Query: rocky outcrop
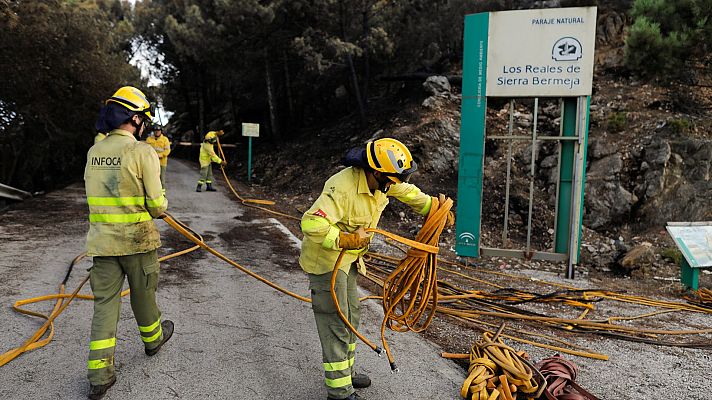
606 200
674 181
440 91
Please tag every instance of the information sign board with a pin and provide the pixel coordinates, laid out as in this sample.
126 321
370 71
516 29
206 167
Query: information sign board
540 53
695 243
251 130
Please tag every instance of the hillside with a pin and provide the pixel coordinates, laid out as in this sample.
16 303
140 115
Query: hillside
649 158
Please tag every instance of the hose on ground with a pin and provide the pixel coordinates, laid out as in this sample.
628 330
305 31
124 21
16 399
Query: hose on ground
35 341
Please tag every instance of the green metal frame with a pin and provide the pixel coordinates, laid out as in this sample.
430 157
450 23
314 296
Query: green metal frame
575 117
472 135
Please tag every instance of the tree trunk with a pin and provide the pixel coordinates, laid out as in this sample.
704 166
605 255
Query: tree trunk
270 98
352 68
233 111
366 58
201 103
288 87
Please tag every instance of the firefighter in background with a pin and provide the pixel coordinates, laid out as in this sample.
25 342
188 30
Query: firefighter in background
351 201
207 157
162 145
123 189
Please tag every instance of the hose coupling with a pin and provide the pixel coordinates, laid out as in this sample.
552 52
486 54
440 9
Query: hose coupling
394 369
378 351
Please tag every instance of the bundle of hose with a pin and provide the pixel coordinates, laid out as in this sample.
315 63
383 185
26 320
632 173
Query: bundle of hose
560 375
410 292
498 371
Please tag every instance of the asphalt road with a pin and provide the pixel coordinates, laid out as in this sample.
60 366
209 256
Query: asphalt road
235 337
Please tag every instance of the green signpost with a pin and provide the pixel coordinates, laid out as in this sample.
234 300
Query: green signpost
530 54
250 130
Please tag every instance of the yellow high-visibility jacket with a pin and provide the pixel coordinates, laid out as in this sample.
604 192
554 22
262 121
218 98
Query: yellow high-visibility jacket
99 137
162 146
207 155
345 204
123 187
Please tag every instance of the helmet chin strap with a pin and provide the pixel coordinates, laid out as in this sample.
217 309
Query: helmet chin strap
383 184
138 126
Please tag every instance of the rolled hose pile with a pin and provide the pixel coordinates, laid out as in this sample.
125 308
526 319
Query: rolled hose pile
497 371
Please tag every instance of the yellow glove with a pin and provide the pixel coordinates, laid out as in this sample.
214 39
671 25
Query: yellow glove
353 241
450 219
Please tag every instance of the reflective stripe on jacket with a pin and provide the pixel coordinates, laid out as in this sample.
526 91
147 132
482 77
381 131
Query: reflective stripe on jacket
345 204
162 146
207 155
123 187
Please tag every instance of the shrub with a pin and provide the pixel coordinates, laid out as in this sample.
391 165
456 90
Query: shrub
672 254
680 125
617 122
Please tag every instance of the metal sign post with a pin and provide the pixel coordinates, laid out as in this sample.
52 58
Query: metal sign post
250 130
552 57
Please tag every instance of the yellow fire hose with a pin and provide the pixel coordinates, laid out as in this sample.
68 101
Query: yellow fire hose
409 292
250 202
34 341
411 289
498 371
60 305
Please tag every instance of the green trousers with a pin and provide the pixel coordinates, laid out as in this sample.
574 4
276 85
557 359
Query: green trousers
163 178
338 343
206 175
107 278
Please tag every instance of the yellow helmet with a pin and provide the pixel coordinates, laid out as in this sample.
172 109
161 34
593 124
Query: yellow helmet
392 158
133 99
211 137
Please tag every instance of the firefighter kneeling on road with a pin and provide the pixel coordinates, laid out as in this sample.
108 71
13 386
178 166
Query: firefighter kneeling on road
207 157
351 201
123 188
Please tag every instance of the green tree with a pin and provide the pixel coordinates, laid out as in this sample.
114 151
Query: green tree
669 37
58 61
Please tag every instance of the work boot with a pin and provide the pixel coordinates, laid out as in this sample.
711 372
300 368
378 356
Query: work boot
360 381
352 396
167 328
198 188
210 188
96 392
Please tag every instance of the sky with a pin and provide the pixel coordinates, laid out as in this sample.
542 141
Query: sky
140 59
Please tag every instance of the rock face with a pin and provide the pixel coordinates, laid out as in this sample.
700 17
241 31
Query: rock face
437 86
606 200
437 145
675 182
440 91
668 180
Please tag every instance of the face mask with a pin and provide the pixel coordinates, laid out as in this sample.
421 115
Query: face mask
384 184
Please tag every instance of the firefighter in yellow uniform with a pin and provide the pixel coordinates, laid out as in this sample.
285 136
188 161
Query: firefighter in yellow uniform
207 157
351 201
123 188
162 146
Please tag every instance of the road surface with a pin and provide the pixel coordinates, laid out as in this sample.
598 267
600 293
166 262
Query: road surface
234 338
